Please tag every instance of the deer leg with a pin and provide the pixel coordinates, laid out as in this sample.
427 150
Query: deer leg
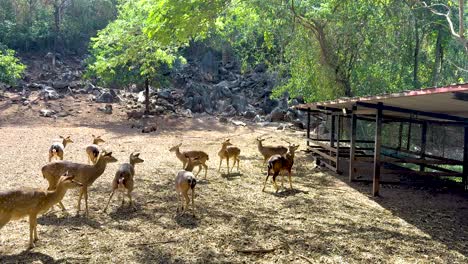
79 200
32 220
282 180
199 169
187 200
35 229
238 160
227 160
179 198
234 164
86 200
206 169
110 197
193 200
50 156
274 180
220 162
290 182
62 206
60 154
184 163
266 179
131 202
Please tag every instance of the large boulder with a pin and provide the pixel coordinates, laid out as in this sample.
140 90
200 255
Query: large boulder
277 115
49 93
107 97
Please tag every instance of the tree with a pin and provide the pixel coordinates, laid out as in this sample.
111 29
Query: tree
10 67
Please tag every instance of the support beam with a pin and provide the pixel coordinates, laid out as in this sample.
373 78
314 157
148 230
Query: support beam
338 136
352 144
332 131
423 144
400 135
465 159
414 112
408 143
377 147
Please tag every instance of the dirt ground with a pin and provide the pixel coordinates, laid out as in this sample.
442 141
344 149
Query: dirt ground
323 219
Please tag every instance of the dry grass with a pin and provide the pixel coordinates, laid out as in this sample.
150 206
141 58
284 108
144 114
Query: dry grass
323 220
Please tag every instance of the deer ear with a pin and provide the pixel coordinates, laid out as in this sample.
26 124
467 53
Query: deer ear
60 137
137 154
109 154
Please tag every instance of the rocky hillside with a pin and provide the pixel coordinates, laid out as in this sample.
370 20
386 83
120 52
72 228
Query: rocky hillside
200 86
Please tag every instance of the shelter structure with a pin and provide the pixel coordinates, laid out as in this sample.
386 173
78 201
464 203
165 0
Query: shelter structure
418 133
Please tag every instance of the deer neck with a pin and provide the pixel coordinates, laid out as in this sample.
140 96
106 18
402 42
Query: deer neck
95 142
55 195
132 163
64 143
99 168
179 155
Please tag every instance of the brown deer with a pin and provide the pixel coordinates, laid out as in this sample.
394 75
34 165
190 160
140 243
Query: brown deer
200 156
17 204
268 151
57 148
185 181
278 163
84 173
93 150
228 151
123 180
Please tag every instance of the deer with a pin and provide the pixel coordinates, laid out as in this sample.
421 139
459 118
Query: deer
57 148
16 204
123 179
228 151
185 181
200 156
93 150
268 151
84 173
278 163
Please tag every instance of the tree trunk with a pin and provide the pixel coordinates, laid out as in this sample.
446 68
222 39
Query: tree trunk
416 55
438 58
461 25
147 96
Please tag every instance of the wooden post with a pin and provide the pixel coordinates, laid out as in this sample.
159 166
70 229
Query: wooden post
400 135
423 144
465 159
332 131
377 146
338 145
147 96
308 126
409 136
352 143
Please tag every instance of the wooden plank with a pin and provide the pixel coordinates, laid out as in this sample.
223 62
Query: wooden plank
415 112
427 155
408 142
325 146
338 136
352 151
332 132
323 155
419 161
377 149
400 135
346 140
329 166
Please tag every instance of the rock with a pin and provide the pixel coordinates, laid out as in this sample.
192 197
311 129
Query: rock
135 114
49 93
105 97
258 119
186 113
149 129
229 111
239 102
223 120
277 115
259 68
299 124
290 116
106 109
249 114
46 112
63 114
89 87
238 123
166 94
26 102
59 85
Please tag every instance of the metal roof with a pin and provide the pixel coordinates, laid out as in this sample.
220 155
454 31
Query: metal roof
451 100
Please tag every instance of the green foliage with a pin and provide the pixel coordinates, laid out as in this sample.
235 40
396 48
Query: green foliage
123 54
10 67
27 25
